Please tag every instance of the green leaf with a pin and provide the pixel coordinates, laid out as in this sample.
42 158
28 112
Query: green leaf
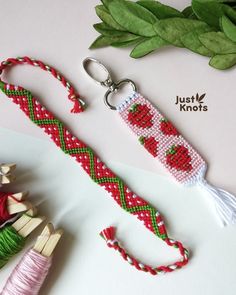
125 38
219 1
160 10
103 41
208 11
147 46
106 30
188 12
218 43
223 62
105 16
230 12
192 42
133 17
172 29
229 28
211 11
100 42
127 43
106 3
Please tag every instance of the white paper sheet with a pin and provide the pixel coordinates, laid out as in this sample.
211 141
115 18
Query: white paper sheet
82 263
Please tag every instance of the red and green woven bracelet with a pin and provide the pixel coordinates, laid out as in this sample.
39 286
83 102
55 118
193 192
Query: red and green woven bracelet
94 167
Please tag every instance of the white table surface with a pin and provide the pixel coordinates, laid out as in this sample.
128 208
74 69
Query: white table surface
59 33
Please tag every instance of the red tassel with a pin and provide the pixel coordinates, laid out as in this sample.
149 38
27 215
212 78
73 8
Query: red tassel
108 234
77 107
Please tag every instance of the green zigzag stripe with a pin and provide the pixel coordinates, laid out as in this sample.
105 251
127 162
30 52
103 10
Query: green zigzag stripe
61 135
39 122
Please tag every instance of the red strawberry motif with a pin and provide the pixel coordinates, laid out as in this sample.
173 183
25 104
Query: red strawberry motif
140 115
167 128
178 157
150 144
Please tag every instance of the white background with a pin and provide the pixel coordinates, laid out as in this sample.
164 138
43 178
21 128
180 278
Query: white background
59 33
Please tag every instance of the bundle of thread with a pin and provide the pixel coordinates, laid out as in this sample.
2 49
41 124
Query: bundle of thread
6 175
11 204
28 276
15 226
13 236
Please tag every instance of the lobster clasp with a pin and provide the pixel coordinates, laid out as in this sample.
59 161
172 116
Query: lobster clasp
106 81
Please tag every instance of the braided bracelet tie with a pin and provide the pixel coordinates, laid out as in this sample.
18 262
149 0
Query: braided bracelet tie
94 167
109 235
73 95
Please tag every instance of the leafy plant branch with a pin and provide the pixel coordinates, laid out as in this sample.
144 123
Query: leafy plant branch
207 27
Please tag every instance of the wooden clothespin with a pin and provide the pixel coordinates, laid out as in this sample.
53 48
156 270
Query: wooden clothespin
6 173
48 240
16 203
28 222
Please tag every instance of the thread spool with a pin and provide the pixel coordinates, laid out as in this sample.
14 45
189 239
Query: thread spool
30 273
6 175
10 244
12 237
11 204
4 213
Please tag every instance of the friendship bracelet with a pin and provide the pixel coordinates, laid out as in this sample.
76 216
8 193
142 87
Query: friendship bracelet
73 95
94 167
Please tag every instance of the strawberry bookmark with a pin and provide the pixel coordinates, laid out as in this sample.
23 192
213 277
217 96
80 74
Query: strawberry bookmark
165 143
161 139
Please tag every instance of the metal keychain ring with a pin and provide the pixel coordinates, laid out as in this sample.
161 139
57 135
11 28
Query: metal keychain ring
115 88
108 81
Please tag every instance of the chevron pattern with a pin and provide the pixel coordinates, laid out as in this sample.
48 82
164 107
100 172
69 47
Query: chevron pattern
94 167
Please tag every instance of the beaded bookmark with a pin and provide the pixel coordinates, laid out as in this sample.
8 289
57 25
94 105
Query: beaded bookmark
95 168
165 143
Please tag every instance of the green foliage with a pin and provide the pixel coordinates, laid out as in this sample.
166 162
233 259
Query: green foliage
105 16
147 46
173 29
218 43
223 62
189 13
191 41
228 28
207 27
160 10
209 12
103 41
133 17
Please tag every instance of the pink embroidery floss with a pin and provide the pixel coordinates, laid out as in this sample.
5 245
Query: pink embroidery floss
29 275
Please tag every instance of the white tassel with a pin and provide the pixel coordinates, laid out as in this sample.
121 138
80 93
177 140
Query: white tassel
224 202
